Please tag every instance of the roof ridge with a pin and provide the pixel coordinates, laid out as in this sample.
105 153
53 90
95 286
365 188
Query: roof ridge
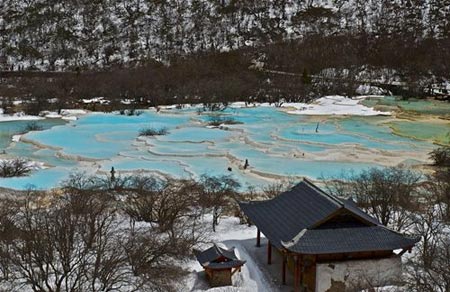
398 232
219 249
347 205
332 198
295 239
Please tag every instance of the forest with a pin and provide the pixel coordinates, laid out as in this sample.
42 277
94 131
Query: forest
221 50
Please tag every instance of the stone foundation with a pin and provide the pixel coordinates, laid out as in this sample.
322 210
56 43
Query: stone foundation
351 275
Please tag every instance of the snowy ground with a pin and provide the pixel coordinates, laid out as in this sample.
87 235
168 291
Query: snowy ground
17 117
327 105
65 114
334 105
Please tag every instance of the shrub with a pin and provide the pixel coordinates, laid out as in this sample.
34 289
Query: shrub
217 121
32 126
153 132
133 112
441 156
214 107
14 167
130 112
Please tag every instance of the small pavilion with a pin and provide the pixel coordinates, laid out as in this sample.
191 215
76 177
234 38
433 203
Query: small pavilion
220 264
308 227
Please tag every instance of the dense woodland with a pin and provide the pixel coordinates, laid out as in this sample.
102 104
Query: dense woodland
89 33
181 51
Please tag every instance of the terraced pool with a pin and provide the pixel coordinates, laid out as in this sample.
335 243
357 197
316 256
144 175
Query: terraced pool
277 145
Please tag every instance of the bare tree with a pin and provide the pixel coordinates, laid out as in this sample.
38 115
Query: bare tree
441 156
14 167
272 190
388 194
80 240
217 192
429 269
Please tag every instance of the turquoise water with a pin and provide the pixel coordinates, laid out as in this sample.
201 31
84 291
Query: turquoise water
350 131
420 106
42 179
276 144
197 135
9 129
168 167
181 148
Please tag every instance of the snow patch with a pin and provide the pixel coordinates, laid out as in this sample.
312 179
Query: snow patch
65 114
100 100
73 112
17 117
16 138
126 101
371 90
334 105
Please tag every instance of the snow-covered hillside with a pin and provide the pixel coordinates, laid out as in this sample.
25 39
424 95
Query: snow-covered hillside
53 35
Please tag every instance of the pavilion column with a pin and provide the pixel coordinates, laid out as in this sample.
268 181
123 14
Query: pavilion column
283 275
258 238
298 273
269 253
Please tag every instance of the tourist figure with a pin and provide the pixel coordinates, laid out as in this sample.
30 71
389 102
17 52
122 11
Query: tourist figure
113 172
246 164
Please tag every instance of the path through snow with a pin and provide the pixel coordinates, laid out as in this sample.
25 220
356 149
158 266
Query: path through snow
253 276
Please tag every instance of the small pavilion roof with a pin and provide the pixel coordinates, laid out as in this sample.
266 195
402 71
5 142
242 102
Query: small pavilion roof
307 220
216 257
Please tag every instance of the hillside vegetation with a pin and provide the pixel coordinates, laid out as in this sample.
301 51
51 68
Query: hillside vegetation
224 49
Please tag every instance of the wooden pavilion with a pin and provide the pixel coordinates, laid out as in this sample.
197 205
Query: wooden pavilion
220 265
310 228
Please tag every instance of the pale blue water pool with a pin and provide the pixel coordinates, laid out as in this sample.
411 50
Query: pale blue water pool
9 129
168 167
276 144
197 135
42 179
182 148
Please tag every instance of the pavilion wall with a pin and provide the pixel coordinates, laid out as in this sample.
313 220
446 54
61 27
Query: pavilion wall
219 278
337 276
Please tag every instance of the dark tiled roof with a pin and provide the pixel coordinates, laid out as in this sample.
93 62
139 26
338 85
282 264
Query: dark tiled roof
301 220
283 217
208 258
351 206
344 240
